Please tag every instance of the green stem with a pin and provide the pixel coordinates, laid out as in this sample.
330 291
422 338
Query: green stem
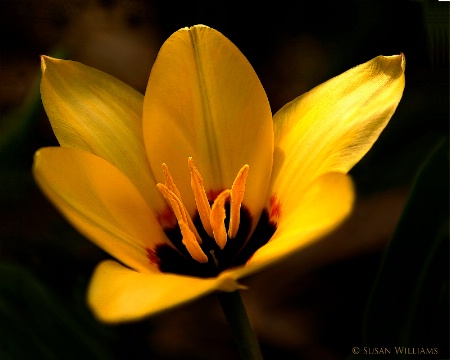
237 318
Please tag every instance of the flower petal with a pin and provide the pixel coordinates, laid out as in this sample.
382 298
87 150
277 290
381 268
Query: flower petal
204 100
117 293
100 202
95 112
318 210
333 126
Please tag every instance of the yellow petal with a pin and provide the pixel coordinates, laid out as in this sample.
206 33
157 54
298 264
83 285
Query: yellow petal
117 293
319 209
95 112
204 100
100 202
333 126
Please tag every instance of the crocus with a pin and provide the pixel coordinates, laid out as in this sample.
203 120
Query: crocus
196 185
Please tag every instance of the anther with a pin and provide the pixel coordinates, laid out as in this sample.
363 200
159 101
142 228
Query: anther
189 238
237 196
203 207
170 183
192 245
217 218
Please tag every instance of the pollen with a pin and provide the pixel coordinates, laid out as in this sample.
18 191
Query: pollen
212 217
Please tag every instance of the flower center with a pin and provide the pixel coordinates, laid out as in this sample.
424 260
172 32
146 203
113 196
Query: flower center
212 217
221 233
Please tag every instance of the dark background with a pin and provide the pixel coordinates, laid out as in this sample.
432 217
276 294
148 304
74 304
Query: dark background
311 306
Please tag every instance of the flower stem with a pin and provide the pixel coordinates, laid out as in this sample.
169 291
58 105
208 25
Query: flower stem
237 318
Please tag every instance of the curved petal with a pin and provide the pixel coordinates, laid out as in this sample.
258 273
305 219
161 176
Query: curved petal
318 210
95 112
117 293
100 202
332 127
204 100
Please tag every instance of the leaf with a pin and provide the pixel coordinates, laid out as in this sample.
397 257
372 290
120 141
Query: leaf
409 302
35 325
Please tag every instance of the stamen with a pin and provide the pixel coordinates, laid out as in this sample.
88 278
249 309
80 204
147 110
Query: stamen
217 218
170 183
192 245
237 196
174 202
204 209
189 238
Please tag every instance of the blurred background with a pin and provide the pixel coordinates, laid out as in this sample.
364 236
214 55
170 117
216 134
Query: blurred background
380 280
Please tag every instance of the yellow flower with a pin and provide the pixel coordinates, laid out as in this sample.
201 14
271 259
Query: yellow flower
151 178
